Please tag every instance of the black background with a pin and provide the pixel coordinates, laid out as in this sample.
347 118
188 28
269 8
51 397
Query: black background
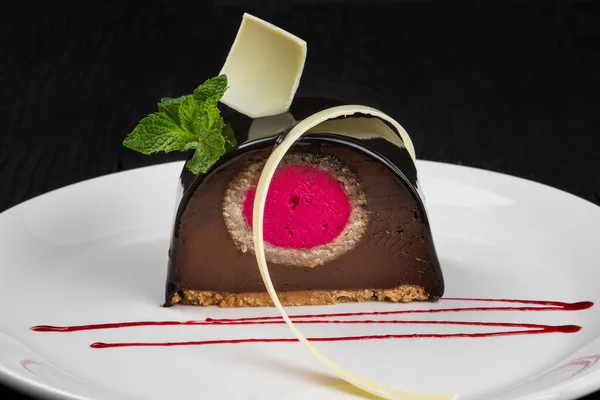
511 86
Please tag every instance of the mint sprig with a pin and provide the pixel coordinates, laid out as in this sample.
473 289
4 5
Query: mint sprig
214 87
185 123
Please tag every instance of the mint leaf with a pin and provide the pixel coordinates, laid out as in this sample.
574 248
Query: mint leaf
158 132
202 160
214 87
209 150
190 146
189 114
173 100
187 122
211 143
210 117
229 136
170 106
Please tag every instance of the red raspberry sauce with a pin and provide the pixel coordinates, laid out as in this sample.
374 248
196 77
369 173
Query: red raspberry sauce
306 207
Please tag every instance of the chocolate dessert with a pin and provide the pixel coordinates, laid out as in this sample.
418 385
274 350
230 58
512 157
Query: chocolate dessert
344 219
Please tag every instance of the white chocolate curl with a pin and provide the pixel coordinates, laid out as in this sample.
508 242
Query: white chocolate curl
260 198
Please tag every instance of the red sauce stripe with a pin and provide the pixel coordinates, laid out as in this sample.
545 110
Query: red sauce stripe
529 329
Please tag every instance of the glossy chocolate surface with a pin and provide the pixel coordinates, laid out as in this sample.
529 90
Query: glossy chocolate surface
396 249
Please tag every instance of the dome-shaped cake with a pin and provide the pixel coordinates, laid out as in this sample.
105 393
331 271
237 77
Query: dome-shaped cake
345 219
344 216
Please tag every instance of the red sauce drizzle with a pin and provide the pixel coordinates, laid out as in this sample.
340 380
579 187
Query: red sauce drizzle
520 328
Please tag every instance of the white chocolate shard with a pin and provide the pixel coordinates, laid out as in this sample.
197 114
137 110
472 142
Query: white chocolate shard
263 68
304 127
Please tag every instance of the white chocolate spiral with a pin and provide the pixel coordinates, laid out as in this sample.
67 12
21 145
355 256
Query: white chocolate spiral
268 171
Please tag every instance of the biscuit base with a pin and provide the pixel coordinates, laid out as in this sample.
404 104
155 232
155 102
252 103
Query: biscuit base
402 293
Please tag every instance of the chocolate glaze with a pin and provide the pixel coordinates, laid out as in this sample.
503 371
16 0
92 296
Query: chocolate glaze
397 248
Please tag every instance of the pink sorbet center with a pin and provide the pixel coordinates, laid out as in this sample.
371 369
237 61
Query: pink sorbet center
306 207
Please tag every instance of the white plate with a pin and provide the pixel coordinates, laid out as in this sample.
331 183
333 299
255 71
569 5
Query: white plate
96 252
